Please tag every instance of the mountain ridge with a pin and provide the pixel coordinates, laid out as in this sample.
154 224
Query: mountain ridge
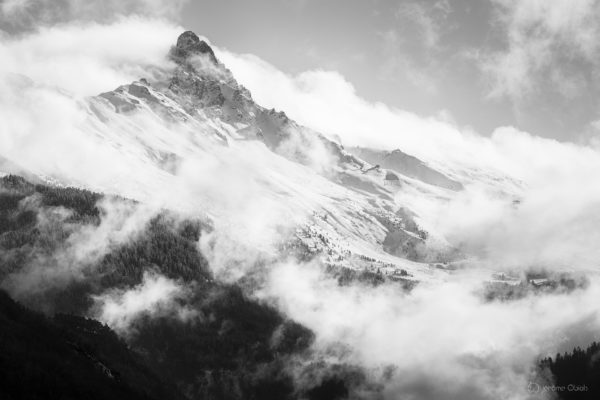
341 206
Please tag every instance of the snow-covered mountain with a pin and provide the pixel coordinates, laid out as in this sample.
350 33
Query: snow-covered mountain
238 250
192 138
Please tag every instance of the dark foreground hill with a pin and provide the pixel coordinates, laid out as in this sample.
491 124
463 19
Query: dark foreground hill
237 347
69 357
575 375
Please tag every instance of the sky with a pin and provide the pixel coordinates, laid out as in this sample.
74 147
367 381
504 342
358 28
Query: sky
481 63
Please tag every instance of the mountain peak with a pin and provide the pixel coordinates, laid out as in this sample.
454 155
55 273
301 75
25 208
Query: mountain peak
189 44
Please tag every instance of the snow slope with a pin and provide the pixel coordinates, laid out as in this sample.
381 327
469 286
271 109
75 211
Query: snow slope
193 139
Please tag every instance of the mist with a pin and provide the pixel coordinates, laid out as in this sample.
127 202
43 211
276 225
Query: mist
554 223
528 203
155 296
85 245
441 339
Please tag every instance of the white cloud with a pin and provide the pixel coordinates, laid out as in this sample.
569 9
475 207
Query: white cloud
91 58
85 246
542 39
31 14
155 296
396 66
424 18
555 223
327 102
44 79
411 45
442 338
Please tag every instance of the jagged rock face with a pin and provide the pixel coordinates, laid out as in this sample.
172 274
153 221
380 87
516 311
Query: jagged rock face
213 89
201 82
189 44
202 92
203 88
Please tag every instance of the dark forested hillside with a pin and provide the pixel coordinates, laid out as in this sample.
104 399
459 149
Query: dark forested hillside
234 348
575 374
69 357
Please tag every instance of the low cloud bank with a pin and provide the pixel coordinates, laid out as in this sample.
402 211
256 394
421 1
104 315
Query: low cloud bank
441 339
69 248
155 296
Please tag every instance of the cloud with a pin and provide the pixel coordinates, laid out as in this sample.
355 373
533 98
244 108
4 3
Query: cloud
543 41
325 101
27 15
85 245
410 48
424 18
552 226
92 58
155 296
45 78
39 121
45 113
397 66
442 339
120 222
256 200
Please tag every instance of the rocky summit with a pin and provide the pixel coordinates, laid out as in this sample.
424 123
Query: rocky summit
188 45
